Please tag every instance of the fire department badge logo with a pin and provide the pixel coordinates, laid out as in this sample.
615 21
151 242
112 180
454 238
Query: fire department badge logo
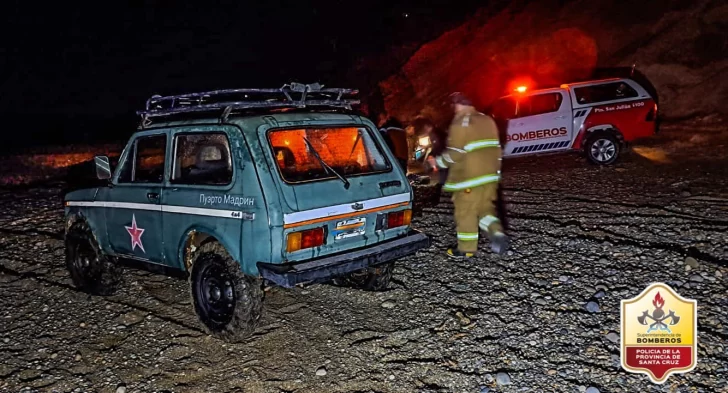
659 333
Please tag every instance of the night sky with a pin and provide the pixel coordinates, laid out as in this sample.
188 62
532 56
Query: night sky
69 64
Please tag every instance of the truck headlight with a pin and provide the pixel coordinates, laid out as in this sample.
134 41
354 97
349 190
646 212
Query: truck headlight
424 141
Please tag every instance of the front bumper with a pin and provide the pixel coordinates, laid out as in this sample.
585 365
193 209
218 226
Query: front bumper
288 275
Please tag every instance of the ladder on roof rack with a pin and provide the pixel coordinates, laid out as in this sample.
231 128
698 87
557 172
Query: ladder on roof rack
235 99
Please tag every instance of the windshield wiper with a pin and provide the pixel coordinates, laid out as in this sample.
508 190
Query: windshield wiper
356 142
358 138
325 165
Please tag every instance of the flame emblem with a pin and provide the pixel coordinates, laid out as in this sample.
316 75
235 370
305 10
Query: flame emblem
659 301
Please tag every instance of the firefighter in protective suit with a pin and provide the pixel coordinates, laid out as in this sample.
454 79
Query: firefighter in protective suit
473 160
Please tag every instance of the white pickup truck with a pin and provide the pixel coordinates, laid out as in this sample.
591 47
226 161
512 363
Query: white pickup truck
597 117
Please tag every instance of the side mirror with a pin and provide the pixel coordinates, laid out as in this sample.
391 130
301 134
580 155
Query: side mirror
103 167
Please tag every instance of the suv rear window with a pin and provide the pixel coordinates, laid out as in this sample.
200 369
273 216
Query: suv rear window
348 150
603 93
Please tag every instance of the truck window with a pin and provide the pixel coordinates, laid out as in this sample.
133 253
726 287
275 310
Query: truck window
604 92
145 161
539 104
202 159
504 108
348 150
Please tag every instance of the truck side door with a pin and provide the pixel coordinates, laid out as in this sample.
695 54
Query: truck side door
133 210
542 123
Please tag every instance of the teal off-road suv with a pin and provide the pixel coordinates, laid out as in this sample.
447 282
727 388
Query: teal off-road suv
239 188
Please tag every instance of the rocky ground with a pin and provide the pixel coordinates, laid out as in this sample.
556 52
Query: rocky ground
544 318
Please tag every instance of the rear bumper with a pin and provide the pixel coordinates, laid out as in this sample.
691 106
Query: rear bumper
288 275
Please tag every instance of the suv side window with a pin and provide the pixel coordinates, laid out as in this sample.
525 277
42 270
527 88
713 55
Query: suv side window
202 159
605 92
539 104
145 161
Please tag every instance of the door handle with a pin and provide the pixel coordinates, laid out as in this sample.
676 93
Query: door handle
561 117
152 196
519 124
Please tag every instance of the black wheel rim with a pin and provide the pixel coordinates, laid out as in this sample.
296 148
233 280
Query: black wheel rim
215 295
84 260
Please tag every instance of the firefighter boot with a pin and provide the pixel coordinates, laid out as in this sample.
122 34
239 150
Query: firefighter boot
499 243
489 222
454 253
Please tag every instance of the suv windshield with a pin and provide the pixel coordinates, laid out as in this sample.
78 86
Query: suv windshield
347 150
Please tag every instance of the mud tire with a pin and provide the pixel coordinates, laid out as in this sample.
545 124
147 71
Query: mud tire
91 271
373 279
598 139
234 317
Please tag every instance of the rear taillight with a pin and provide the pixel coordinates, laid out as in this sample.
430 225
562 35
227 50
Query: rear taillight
398 219
305 239
652 114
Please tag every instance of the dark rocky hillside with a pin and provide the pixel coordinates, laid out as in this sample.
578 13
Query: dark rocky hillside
681 47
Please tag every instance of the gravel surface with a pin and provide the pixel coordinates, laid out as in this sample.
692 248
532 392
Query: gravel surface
543 318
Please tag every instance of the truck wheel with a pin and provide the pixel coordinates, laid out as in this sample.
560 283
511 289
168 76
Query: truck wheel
227 301
91 271
374 278
602 148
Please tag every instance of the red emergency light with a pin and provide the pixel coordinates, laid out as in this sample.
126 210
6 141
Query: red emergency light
520 84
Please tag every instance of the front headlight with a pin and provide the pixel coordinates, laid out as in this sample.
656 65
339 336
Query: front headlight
424 141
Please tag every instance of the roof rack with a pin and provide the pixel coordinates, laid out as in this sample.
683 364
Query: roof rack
309 95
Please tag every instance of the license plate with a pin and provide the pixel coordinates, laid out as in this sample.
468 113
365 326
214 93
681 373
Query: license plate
350 228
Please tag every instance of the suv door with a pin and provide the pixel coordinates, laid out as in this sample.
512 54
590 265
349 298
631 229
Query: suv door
133 213
202 193
542 123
